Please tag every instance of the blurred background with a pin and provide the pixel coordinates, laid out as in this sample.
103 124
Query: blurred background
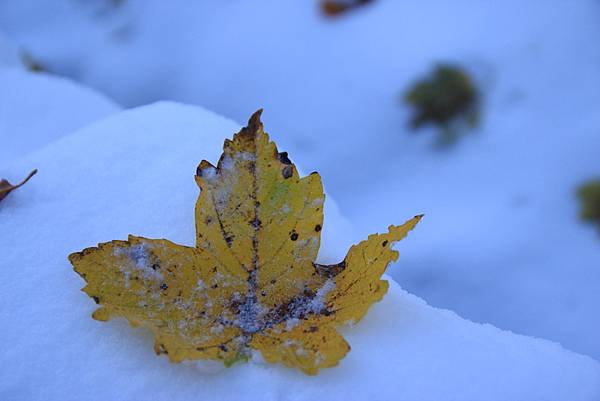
483 115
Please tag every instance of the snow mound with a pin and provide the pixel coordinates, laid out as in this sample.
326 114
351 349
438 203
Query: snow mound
133 173
9 54
517 256
37 108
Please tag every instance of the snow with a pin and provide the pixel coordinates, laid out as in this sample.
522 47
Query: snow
37 108
9 54
317 304
138 254
139 179
501 241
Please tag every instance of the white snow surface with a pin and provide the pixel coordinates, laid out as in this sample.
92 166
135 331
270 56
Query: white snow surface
501 241
133 173
37 108
9 54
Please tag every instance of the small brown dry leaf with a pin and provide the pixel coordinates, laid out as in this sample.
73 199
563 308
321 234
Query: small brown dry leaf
6 187
334 8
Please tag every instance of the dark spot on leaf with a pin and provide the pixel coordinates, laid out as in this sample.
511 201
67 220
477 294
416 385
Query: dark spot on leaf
214 286
287 172
384 243
273 281
164 286
162 349
223 348
256 223
318 228
294 236
208 220
96 299
283 157
229 240
155 266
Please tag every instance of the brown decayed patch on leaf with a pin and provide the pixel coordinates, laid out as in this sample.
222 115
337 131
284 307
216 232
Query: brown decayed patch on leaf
334 8
251 281
6 187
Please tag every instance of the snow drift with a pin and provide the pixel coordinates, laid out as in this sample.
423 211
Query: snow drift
133 173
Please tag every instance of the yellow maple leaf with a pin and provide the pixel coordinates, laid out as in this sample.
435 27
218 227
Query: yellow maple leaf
251 281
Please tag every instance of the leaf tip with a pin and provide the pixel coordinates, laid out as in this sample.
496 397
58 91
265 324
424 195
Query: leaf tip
101 314
73 257
204 169
6 187
254 123
399 232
